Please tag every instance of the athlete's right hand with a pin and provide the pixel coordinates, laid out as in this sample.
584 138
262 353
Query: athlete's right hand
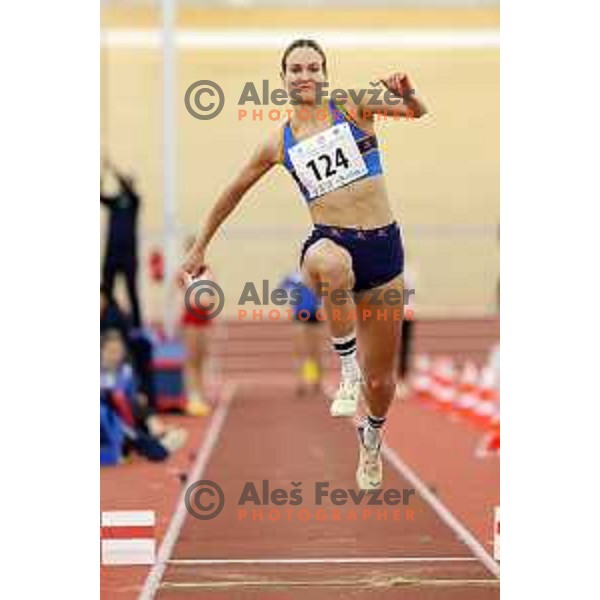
191 268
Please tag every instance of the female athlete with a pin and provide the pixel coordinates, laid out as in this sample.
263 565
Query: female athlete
331 151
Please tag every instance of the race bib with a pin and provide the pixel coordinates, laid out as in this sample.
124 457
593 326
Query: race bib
328 161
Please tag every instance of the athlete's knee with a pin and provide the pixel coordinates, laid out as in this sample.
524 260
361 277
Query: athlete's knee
337 273
381 384
335 268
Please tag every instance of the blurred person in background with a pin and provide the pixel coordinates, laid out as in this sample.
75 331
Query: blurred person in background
308 331
138 345
144 432
408 328
117 377
196 326
120 256
332 152
111 315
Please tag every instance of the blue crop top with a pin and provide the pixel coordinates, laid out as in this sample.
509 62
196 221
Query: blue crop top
333 168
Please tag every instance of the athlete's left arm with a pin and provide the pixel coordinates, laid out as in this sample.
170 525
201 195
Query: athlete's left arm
398 98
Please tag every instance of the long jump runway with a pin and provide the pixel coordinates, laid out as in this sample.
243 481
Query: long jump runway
353 549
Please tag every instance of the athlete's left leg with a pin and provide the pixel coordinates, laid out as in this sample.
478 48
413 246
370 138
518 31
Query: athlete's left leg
379 320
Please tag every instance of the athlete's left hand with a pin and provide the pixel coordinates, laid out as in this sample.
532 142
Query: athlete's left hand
399 83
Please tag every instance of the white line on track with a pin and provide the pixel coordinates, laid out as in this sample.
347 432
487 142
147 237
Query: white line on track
154 578
350 560
442 511
439 508
354 583
152 582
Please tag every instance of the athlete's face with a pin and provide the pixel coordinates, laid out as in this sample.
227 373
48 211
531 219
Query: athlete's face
304 70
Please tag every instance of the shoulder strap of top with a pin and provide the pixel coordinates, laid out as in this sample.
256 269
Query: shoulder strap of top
345 114
287 139
337 112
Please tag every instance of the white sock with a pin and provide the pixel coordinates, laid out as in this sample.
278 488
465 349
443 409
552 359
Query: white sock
345 348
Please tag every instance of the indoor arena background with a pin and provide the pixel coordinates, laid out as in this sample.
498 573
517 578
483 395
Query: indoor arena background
442 172
443 180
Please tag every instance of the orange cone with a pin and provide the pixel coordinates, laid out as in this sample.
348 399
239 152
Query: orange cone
444 385
466 396
421 382
489 445
487 409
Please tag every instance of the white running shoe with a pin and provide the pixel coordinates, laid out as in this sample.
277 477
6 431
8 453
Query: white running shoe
345 401
369 475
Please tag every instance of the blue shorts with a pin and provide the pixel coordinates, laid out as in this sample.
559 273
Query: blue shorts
377 254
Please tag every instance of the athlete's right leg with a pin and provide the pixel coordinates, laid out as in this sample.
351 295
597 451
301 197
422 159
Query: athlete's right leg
328 268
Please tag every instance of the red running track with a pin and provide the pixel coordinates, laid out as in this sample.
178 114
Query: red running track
267 433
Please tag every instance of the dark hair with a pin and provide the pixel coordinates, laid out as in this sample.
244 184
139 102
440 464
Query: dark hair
303 43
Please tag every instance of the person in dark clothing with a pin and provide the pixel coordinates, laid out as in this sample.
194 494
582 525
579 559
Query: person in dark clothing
111 315
139 347
406 349
121 245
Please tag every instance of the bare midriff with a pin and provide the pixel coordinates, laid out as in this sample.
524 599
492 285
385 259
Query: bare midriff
360 205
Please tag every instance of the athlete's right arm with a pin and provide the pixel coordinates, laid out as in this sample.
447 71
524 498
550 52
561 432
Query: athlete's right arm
263 159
